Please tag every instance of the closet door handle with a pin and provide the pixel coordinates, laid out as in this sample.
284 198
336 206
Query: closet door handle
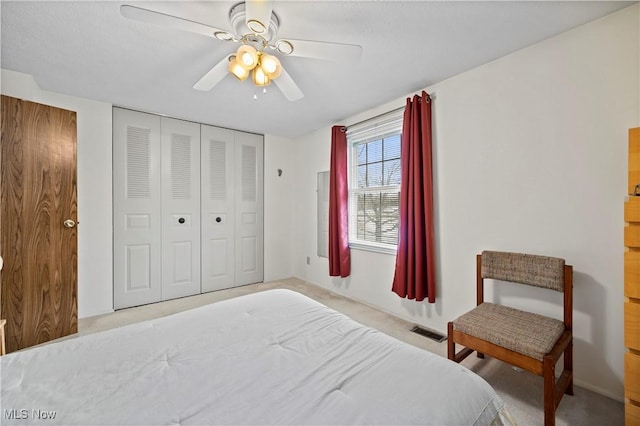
69 223
218 219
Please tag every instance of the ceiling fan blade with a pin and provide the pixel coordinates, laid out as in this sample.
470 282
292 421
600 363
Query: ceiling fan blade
258 11
169 21
288 87
214 76
324 50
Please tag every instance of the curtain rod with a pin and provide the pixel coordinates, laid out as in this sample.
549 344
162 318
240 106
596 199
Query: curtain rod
346 128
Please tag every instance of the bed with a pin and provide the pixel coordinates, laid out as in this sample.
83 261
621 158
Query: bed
275 357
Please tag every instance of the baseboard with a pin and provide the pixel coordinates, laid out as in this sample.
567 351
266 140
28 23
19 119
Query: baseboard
94 314
597 390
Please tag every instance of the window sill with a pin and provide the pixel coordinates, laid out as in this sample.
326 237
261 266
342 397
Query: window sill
374 248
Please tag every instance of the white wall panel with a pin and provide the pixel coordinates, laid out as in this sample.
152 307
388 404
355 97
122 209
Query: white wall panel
279 177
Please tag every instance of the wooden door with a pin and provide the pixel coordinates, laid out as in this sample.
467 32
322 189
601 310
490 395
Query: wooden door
38 287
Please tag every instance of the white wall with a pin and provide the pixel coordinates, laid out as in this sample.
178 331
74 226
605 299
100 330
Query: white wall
530 155
278 207
95 295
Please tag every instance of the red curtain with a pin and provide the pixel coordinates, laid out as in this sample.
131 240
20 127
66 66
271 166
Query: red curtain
339 253
415 274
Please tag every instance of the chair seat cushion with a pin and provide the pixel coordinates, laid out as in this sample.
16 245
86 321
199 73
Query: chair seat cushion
523 332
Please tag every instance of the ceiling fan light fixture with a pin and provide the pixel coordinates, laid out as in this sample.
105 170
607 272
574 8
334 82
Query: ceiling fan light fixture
284 47
259 77
247 56
270 65
256 26
240 72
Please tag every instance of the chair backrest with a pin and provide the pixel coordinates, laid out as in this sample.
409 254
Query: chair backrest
539 271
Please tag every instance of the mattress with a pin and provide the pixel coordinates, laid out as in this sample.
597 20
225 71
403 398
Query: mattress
275 357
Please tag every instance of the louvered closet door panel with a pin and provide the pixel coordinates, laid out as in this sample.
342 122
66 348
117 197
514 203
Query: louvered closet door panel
136 208
249 208
180 208
218 214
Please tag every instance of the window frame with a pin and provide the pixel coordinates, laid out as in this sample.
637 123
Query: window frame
381 127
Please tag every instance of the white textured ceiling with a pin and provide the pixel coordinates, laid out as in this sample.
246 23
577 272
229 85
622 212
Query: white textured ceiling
87 49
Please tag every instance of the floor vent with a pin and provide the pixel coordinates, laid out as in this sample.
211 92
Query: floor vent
430 334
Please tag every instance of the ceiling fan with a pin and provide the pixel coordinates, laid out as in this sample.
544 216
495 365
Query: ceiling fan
255 27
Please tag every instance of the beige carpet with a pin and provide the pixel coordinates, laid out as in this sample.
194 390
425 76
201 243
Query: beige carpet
522 391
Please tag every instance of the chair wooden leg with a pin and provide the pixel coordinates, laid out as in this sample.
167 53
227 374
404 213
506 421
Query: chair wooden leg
568 366
451 345
549 392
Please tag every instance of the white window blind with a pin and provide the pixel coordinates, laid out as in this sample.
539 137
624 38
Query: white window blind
376 128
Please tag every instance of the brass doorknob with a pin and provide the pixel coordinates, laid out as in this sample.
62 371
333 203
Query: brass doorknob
69 223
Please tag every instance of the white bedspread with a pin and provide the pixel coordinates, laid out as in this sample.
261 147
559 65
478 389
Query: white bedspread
275 357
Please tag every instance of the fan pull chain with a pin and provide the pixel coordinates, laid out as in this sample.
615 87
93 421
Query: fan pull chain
264 92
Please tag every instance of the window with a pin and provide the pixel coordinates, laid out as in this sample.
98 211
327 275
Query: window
374 183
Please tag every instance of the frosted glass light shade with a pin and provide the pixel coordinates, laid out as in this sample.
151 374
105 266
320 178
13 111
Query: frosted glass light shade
271 66
240 72
259 77
247 56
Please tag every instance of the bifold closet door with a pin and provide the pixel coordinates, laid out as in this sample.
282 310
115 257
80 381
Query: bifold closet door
156 204
188 208
180 154
218 210
136 208
232 208
249 208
